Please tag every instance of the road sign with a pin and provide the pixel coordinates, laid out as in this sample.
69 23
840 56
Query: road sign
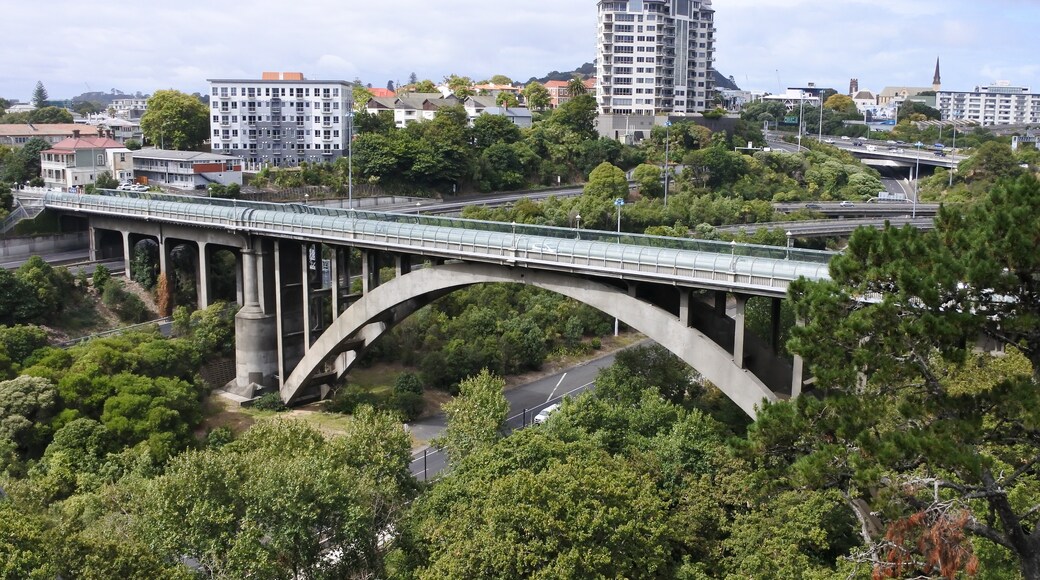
619 202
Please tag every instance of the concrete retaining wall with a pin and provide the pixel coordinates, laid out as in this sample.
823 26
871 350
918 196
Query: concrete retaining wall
38 245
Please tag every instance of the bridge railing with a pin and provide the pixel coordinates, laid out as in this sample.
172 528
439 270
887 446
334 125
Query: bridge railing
731 264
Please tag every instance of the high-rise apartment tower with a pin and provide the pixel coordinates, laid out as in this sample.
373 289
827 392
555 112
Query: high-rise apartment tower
655 56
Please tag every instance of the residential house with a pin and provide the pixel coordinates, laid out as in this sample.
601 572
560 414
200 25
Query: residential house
77 161
17 135
485 105
411 107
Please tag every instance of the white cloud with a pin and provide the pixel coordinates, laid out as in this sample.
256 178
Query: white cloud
152 44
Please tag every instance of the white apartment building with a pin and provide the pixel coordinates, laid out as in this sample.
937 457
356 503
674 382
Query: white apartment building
998 104
655 56
281 119
129 108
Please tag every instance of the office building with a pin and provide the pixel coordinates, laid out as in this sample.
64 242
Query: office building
281 119
655 57
998 104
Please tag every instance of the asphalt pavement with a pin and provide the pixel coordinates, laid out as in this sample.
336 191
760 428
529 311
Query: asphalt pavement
525 401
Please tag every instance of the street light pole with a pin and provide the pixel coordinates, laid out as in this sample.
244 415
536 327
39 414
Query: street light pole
801 109
619 202
820 138
917 178
667 132
350 160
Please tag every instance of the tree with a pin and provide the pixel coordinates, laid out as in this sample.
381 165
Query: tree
929 438
648 179
459 86
507 99
501 80
361 95
27 405
39 96
491 129
133 144
577 115
475 417
412 79
87 108
840 103
576 86
47 115
536 96
24 164
106 181
390 86
175 120
606 182
424 86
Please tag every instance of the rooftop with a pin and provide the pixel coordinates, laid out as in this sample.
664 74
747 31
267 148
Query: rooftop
73 143
40 130
173 155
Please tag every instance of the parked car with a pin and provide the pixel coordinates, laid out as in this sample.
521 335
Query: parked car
543 415
136 187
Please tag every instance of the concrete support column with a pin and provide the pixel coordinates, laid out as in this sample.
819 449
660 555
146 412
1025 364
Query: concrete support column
240 296
334 275
797 371
369 271
163 258
720 302
127 254
738 332
774 325
92 239
250 291
402 264
305 251
684 306
256 353
202 276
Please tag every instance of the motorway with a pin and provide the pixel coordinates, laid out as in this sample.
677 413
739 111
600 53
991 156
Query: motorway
525 402
826 228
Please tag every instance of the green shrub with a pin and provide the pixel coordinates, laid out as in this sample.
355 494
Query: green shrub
408 383
347 400
410 405
128 307
219 437
101 277
270 402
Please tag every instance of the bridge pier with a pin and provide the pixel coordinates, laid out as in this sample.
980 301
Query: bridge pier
256 348
127 254
202 288
738 331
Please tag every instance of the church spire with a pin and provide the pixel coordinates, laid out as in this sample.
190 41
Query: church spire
936 80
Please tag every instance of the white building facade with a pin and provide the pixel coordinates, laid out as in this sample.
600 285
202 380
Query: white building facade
185 169
281 119
655 56
998 104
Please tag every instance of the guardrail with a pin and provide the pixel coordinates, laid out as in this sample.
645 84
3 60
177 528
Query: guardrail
115 331
763 268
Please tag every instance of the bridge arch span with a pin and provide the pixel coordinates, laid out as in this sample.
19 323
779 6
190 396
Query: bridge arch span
378 310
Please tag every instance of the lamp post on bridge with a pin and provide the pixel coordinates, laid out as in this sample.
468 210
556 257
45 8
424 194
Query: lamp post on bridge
618 203
577 224
917 177
667 133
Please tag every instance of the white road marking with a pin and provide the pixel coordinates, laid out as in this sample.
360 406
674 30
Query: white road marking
556 387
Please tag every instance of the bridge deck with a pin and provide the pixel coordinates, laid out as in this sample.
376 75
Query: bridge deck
761 270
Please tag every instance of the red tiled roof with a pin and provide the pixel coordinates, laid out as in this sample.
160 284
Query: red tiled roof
381 92
555 84
40 129
71 144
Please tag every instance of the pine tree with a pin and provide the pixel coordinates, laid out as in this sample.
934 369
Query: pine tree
39 98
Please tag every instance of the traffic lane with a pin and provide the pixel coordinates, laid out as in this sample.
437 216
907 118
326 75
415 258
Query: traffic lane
525 401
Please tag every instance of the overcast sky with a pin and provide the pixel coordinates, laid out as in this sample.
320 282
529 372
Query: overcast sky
146 45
